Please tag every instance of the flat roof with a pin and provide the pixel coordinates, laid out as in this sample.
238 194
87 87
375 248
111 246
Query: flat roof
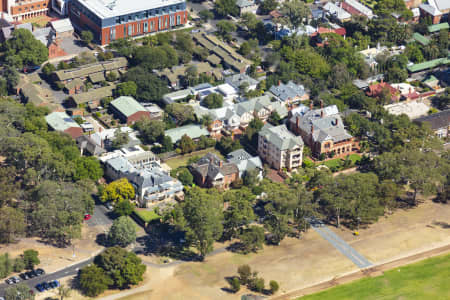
113 8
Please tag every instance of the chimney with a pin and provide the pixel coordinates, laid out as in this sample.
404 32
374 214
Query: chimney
297 120
382 80
312 129
279 82
220 164
321 103
311 105
321 113
337 122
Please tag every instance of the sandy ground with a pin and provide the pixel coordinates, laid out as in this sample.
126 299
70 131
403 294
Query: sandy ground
297 264
54 259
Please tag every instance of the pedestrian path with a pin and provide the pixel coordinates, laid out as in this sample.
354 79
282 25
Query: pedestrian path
342 246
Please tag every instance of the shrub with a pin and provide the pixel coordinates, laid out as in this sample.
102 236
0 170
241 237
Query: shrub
274 286
235 284
245 273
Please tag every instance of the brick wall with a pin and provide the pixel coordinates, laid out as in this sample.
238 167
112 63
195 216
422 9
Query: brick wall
138 116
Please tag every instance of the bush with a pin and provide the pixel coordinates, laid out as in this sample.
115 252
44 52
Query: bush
235 284
274 286
256 284
19 265
245 273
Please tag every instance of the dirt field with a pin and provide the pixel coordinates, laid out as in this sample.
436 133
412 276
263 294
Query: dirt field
297 264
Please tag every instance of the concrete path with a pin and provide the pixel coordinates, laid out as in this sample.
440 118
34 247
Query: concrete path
342 246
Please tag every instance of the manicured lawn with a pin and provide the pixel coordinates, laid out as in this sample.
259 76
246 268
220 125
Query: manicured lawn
181 161
337 162
147 215
427 279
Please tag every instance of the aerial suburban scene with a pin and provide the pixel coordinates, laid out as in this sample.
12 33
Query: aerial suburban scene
224 149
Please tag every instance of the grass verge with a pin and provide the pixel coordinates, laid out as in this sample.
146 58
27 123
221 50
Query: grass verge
147 215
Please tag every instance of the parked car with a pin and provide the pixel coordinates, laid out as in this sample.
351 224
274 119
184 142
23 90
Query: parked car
39 272
15 279
9 281
109 206
31 274
45 285
24 276
87 217
40 288
54 284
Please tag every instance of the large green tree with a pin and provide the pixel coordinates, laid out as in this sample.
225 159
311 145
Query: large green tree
22 49
149 86
13 224
226 7
294 13
122 232
93 280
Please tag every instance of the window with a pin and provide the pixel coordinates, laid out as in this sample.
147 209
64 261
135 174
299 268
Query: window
38 5
167 23
124 30
113 34
151 26
160 23
130 29
118 20
146 27
178 20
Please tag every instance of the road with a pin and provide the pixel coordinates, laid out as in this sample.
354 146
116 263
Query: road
341 245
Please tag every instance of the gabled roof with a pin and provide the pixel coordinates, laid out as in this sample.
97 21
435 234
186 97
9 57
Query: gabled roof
94 95
430 9
60 121
211 166
127 105
438 27
238 79
428 64
191 130
244 3
287 91
74 83
440 4
421 39
437 120
280 136
86 70
62 25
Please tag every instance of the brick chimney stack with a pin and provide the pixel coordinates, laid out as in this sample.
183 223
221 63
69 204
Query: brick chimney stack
279 82
220 164
321 113
321 103
337 122
311 105
297 121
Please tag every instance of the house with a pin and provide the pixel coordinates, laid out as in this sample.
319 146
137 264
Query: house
83 72
228 55
322 130
74 87
153 186
443 6
426 65
128 110
245 162
356 8
337 12
210 171
279 147
191 130
60 121
290 93
246 6
16 10
427 10
238 80
438 122
63 28
177 96
376 90
438 27
104 138
432 82
156 113
110 20
92 97
88 146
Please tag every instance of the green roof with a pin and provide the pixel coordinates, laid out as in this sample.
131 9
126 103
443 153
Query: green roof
192 131
127 105
60 121
420 39
428 64
431 78
438 27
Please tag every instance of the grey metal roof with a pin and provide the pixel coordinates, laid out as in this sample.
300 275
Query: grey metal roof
192 131
288 91
127 105
437 120
280 136
244 3
238 79
60 121
440 4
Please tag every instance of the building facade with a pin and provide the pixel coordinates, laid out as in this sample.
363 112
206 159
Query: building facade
279 147
212 172
19 10
110 20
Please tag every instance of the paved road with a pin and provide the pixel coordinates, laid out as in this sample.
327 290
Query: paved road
72 270
341 245
100 217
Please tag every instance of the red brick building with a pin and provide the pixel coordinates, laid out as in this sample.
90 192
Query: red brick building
126 18
128 110
210 171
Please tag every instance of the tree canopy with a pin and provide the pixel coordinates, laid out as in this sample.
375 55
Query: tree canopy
22 49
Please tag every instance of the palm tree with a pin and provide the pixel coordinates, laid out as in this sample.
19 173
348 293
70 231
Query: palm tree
64 291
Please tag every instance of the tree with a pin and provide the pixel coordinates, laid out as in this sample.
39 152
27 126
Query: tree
12 225
48 69
202 218
206 15
235 284
150 130
294 12
88 168
185 177
252 239
182 113
124 208
94 280
122 232
150 88
239 212
18 265
23 49
20 291
245 274
225 27
11 76
443 42
267 6
127 88
123 267
257 284
64 291
31 259
118 191
187 145
226 7
87 36
120 138
251 177
274 286
6 265
167 144
213 100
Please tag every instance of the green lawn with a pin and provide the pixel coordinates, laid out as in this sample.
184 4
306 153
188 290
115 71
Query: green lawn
147 215
337 162
428 279
181 161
